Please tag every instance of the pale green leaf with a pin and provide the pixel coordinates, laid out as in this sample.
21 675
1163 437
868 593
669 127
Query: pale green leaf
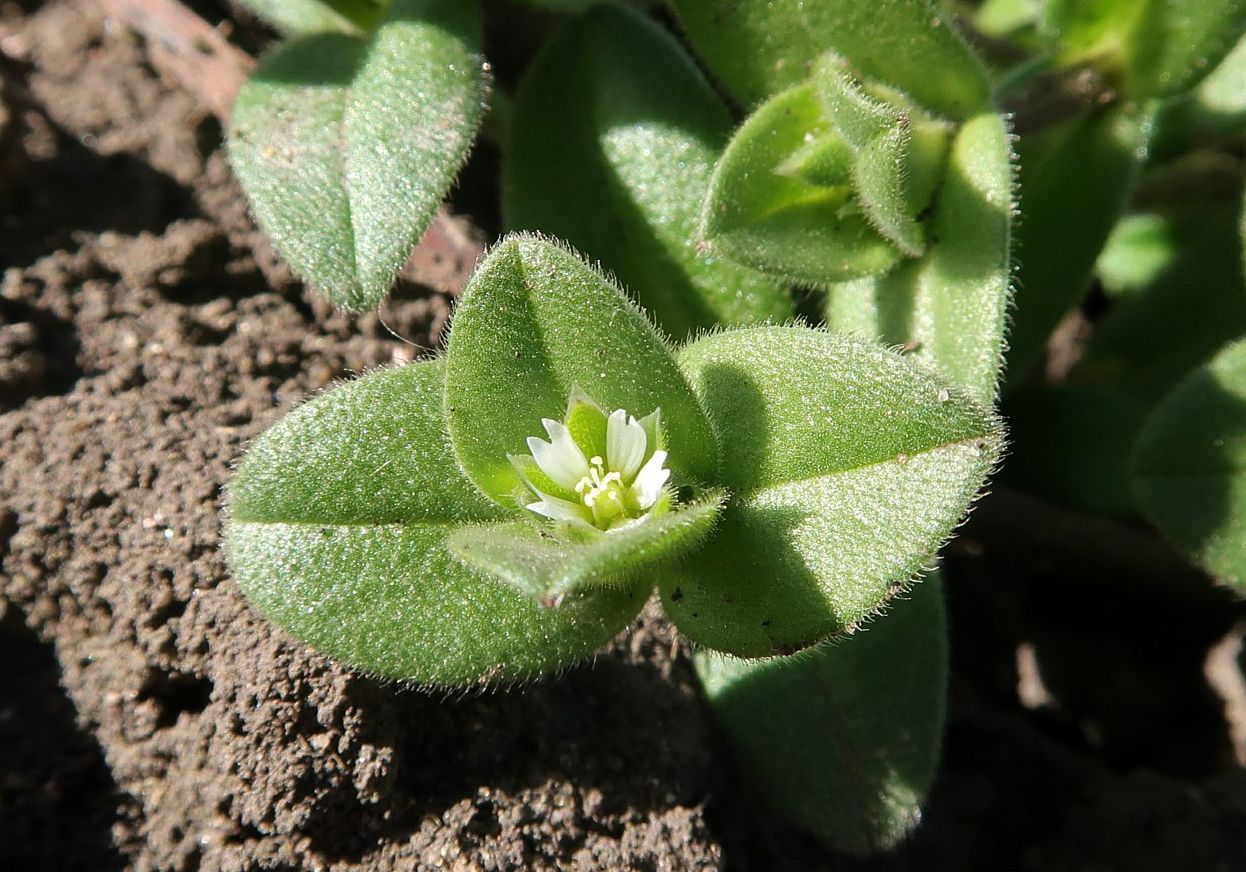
1189 465
337 529
346 145
848 468
844 740
548 561
614 137
949 306
1214 110
534 323
760 47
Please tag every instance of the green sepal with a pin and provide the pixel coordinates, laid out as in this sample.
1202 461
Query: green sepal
536 321
844 740
848 468
760 47
346 145
1188 468
337 530
622 176
550 561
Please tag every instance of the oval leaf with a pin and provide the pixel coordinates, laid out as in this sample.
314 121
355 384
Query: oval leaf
338 521
844 740
760 47
534 323
615 157
1188 469
848 468
345 146
949 307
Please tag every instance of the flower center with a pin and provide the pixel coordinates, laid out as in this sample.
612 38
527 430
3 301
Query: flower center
600 485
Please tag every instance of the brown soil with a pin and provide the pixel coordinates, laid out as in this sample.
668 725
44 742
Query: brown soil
150 719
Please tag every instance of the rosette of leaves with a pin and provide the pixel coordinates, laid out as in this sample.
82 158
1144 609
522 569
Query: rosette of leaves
806 478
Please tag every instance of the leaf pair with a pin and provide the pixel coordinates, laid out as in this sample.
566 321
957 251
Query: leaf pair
381 523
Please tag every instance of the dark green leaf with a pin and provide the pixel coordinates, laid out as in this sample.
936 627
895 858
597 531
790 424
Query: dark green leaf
612 144
760 47
1097 156
1189 466
844 740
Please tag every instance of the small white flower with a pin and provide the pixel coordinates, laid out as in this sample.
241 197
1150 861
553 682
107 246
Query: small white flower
609 472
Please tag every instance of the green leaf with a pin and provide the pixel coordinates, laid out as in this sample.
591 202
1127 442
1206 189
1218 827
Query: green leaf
612 145
1195 303
949 306
760 47
536 321
1189 465
844 740
302 17
1215 110
1139 250
848 468
1096 155
337 530
1160 47
345 146
548 562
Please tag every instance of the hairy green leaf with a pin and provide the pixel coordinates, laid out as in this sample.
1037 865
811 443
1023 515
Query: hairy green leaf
612 145
346 145
949 306
1189 465
1098 156
302 17
338 524
534 323
848 468
547 562
844 740
760 47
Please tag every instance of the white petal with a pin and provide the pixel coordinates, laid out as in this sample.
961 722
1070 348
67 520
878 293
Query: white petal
625 444
649 481
560 458
561 510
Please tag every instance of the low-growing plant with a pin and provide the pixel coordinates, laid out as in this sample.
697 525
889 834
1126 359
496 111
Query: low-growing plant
506 508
